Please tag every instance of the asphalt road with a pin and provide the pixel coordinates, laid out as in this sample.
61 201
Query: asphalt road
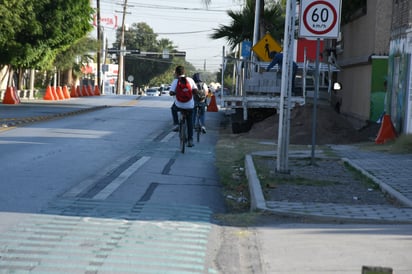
107 191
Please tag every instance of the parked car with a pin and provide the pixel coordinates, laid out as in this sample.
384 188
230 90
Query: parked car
165 89
153 92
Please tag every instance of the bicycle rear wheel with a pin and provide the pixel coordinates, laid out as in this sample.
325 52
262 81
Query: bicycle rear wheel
182 135
198 125
198 132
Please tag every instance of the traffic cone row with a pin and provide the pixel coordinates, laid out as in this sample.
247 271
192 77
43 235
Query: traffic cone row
84 91
60 93
56 93
11 97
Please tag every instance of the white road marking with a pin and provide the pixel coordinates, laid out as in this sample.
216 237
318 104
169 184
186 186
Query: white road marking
116 183
168 137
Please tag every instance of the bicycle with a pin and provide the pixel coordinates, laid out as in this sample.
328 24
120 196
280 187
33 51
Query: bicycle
196 124
183 129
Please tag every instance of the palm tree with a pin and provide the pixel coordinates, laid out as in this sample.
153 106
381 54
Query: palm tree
241 27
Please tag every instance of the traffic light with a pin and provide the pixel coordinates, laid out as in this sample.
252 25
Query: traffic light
112 51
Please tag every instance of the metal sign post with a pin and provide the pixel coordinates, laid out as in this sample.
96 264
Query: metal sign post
318 19
285 92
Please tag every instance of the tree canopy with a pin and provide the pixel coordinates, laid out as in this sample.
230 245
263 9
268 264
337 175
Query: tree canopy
33 32
149 68
241 27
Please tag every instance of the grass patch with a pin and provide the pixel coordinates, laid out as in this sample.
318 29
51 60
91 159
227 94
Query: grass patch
270 179
402 145
361 177
230 161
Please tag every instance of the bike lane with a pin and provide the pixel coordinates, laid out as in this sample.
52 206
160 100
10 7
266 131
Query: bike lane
156 216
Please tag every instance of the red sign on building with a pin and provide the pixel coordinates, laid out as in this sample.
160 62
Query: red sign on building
310 46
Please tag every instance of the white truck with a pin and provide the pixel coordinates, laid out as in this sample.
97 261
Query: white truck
256 93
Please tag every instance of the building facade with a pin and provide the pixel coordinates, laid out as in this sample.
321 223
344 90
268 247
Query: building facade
399 103
362 52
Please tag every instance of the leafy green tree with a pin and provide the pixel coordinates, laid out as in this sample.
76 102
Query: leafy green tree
150 68
70 61
241 27
49 27
35 31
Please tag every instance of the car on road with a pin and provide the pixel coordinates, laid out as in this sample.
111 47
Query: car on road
153 92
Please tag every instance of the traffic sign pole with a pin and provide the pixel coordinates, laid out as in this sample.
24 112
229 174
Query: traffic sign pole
285 92
319 19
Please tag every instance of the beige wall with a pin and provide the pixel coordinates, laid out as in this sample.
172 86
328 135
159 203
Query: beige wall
368 35
355 94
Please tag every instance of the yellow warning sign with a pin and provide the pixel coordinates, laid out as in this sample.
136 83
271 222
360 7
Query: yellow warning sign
265 46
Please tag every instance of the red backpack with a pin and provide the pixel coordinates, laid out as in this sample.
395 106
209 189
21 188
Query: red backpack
183 90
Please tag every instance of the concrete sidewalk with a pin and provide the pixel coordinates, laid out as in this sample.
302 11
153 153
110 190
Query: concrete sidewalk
391 172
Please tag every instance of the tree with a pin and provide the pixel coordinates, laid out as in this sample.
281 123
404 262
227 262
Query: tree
150 67
241 27
71 60
35 31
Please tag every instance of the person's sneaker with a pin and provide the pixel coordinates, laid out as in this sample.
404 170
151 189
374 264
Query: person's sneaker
190 143
175 128
203 130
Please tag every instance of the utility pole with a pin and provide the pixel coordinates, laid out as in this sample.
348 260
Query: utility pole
286 86
120 72
99 46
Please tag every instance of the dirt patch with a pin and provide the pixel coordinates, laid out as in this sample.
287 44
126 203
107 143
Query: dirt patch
331 127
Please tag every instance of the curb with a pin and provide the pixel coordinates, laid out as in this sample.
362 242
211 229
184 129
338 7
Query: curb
290 209
257 200
12 122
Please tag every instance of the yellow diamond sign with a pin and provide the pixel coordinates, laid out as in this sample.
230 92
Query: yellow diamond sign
265 46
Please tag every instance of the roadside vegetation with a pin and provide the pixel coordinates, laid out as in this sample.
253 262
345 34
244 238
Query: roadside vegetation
402 144
231 150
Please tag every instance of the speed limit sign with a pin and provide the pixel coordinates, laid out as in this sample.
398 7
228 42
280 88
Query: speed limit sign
319 18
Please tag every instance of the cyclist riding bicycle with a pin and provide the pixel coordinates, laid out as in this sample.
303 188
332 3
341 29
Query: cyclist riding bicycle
179 103
200 101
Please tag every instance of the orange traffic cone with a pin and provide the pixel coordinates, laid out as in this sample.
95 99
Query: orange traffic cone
53 89
66 93
212 107
96 90
59 92
84 91
79 91
49 94
11 97
89 90
73 92
387 130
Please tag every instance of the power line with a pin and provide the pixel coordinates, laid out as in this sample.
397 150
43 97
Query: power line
168 7
185 32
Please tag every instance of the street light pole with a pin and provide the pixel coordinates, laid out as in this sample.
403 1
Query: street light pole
120 73
99 49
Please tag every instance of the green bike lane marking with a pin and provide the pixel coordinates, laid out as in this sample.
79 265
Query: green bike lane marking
149 242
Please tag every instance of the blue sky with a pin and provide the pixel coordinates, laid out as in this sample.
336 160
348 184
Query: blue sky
187 23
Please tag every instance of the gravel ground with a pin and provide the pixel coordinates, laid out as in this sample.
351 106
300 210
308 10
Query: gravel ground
328 181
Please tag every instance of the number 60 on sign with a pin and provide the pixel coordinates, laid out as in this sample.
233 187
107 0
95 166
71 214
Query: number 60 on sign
319 18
